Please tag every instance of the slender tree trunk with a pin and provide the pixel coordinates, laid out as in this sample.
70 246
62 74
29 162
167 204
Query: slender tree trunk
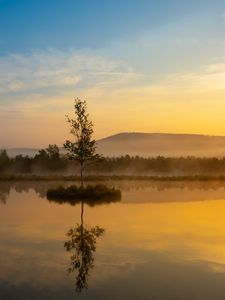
82 234
81 176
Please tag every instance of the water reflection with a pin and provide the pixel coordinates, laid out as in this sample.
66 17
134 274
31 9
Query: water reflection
4 192
164 251
90 202
3 198
82 243
133 191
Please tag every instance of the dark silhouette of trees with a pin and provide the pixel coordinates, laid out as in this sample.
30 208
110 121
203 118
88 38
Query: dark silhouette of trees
83 148
53 151
49 159
41 160
54 161
4 161
22 164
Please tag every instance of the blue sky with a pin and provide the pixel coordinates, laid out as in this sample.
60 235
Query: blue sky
144 57
31 24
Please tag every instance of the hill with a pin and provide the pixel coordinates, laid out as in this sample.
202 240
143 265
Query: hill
165 144
22 151
151 145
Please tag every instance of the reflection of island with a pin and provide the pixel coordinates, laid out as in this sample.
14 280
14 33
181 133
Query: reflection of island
90 201
82 243
146 190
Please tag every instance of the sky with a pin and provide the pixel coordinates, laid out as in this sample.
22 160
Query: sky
142 66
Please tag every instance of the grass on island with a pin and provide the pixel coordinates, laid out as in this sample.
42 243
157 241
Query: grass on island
92 194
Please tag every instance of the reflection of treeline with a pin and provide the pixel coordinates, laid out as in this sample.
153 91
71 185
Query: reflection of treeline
41 187
51 161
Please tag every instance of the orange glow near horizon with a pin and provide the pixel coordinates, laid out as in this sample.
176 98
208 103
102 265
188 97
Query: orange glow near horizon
131 110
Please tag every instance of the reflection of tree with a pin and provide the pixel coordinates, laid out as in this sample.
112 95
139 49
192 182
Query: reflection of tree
4 193
82 241
3 198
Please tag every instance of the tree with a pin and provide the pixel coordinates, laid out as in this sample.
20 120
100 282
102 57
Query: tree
49 159
4 161
55 163
83 149
53 151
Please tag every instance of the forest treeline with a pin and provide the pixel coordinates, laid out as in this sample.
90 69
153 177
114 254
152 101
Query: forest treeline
49 161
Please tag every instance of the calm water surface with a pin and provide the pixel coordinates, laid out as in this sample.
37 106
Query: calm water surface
161 241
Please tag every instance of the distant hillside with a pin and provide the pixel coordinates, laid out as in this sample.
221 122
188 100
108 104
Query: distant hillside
152 144
23 151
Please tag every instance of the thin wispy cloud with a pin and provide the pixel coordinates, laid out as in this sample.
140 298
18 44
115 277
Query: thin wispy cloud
208 78
54 70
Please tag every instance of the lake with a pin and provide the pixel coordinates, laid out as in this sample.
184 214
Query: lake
163 240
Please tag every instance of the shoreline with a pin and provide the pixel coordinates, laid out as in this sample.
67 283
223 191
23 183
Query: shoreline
111 177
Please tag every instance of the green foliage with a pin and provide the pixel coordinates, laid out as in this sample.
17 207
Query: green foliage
83 149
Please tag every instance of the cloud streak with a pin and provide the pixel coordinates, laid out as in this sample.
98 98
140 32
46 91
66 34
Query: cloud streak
47 71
